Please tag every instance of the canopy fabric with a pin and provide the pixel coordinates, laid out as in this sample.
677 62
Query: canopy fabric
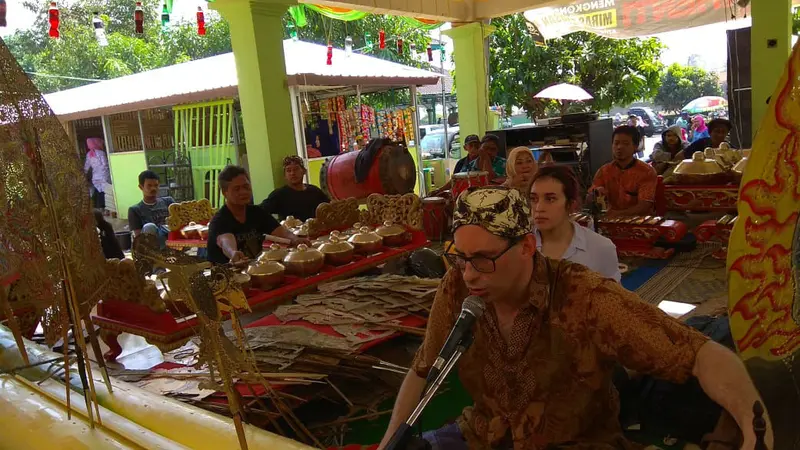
299 16
564 91
623 19
705 104
216 77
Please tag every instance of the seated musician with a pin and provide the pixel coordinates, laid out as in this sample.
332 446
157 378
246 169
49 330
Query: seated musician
555 193
472 144
150 215
520 168
718 130
236 232
296 198
539 370
628 183
670 151
487 160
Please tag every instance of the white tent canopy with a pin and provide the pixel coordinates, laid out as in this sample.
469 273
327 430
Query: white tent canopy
215 77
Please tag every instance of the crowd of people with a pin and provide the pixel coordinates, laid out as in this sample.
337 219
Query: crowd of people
558 323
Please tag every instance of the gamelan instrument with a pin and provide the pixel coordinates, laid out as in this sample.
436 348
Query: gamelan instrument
717 231
392 172
638 235
435 219
464 180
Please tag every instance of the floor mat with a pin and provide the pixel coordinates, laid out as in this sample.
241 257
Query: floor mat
680 267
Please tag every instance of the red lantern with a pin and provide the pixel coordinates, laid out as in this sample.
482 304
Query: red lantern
430 53
3 13
138 18
201 22
382 39
53 15
399 46
330 55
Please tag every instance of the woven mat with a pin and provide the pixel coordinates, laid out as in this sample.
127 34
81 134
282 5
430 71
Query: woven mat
681 267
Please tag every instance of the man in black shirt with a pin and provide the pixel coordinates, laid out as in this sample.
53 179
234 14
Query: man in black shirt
150 214
296 199
472 143
236 232
718 130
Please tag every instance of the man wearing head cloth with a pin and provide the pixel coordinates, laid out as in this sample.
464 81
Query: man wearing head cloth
488 159
539 370
296 199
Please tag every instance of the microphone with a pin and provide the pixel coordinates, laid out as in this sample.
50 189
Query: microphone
471 310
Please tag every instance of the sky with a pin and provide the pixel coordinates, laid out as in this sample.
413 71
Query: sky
708 42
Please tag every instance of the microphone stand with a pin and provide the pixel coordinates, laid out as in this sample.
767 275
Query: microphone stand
402 436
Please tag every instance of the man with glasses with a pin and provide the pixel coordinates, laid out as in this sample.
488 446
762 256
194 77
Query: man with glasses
539 370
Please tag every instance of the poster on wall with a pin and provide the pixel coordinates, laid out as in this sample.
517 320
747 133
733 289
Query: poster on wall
622 19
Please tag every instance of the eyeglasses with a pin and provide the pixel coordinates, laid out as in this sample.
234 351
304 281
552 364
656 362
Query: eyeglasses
482 264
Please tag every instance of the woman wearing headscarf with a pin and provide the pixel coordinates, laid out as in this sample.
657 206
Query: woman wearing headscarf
96 170
670 151
520 169
699 128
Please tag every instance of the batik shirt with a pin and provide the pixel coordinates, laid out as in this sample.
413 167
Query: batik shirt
550 383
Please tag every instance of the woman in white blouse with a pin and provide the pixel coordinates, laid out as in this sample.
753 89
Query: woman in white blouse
554 196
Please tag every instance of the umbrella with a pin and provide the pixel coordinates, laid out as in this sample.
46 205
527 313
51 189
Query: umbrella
705 104
564 91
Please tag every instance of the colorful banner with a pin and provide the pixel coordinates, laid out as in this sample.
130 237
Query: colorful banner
347 15
624 19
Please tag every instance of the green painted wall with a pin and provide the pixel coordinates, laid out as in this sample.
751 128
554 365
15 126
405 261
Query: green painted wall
257 40
125 170
772 23
473 96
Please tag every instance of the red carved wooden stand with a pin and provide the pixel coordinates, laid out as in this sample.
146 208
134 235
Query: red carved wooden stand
675 197
172 329
637 236
715 230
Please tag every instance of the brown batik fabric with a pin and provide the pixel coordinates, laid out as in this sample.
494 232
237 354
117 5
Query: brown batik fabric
549 386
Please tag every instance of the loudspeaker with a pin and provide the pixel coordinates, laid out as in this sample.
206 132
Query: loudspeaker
740 99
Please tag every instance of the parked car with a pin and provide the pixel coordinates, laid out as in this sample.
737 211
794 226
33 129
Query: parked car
652 123
425 129
434 143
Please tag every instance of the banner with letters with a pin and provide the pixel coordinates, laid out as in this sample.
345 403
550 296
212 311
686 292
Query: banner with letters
622 19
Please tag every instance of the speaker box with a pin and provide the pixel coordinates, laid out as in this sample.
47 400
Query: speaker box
740 99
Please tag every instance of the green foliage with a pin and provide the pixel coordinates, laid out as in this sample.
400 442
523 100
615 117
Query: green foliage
615 72
796 21
323 30
77 53
682 84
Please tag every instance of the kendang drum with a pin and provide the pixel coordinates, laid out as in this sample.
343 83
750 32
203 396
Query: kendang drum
464 180
434 217
387 168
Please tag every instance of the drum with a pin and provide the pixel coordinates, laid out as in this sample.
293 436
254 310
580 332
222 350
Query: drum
463 180
393 172
434 218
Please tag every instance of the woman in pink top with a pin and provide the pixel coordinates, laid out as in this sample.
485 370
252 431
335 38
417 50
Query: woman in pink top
97 163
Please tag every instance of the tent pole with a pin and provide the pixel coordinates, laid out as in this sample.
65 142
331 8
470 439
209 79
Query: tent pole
299 127
417 147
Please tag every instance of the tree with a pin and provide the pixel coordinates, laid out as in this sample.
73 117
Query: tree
613 71
78 55
796 21
682 84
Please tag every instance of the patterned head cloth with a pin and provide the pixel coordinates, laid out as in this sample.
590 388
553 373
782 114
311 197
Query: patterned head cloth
499 210
294 159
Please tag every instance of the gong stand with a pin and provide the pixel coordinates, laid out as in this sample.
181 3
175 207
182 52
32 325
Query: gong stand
402 439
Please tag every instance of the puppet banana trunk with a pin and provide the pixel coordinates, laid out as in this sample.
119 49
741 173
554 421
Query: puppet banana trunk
184 424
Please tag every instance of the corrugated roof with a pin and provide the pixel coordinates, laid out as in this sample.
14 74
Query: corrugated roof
215 77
